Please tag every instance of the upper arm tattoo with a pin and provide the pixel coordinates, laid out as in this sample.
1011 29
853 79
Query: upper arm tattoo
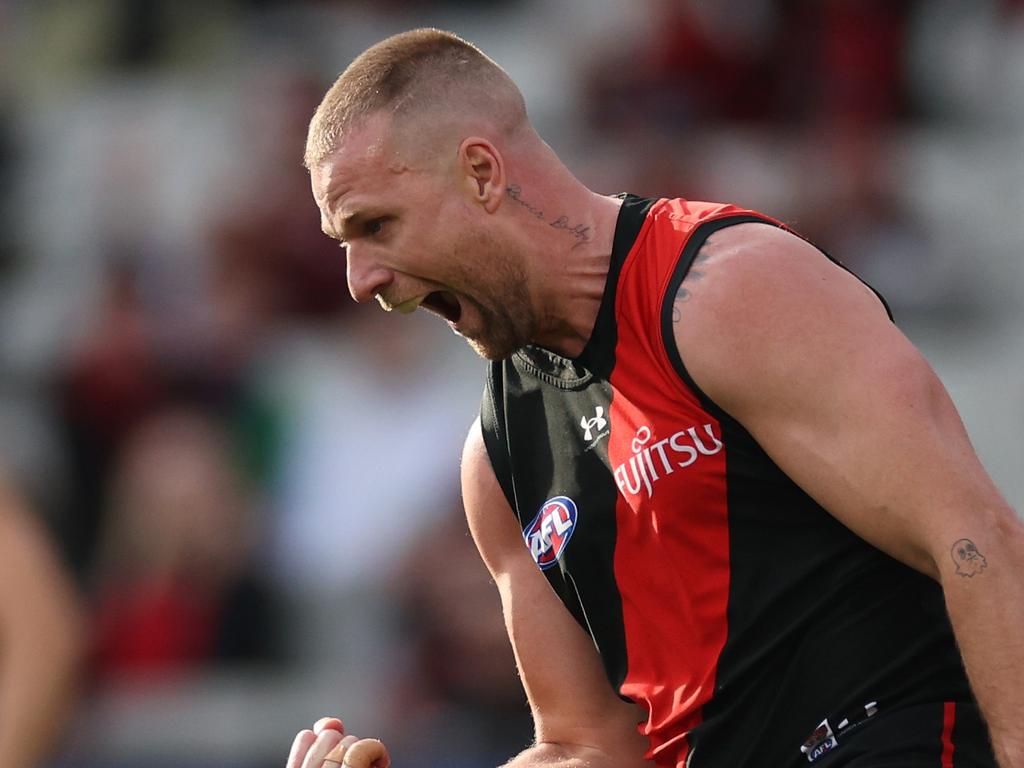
686 287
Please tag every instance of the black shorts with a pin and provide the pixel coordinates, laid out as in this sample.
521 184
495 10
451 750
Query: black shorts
949 735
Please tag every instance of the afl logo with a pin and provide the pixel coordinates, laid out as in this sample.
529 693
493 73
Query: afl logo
548 534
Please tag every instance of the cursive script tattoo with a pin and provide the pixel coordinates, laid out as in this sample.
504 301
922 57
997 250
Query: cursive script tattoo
516 193
968 560
581 233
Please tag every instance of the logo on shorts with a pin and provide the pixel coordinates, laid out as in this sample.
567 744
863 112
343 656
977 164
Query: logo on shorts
821 741
549 532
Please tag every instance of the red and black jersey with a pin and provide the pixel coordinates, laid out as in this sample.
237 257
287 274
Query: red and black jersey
754 628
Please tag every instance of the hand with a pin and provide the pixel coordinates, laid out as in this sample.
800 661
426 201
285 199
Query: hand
327 746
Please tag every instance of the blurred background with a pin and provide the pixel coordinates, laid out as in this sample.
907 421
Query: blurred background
252 484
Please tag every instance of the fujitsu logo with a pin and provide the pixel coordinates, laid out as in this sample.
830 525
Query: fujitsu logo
596 424
651 462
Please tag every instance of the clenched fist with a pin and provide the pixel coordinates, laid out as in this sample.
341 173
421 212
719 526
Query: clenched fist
328 746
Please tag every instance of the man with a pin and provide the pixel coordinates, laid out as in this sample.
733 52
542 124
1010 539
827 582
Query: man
757 518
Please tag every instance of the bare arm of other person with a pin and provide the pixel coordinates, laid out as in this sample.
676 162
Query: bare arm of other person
40 638
578 719
806 359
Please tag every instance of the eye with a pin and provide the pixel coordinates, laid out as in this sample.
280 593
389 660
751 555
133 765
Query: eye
375 226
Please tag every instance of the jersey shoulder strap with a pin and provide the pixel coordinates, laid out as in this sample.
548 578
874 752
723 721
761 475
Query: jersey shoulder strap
493 421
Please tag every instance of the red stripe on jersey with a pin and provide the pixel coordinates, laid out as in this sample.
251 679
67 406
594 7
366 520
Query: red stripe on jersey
948 721
672 538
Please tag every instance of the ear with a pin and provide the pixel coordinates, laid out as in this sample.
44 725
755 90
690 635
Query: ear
483 172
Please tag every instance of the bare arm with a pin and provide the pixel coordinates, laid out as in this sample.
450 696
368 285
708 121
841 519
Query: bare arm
578 718
40 638
806 359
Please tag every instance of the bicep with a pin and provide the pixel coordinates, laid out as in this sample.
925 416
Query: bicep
570 697
810 364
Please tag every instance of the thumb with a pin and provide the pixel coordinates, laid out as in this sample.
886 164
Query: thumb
367 753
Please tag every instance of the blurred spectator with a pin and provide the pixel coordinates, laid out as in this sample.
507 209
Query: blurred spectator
841 61
40 638
376 415
686 71
857 213
175 587
112 381
757 60
271 263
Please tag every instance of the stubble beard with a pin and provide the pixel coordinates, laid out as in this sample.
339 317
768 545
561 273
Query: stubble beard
508 319
507 324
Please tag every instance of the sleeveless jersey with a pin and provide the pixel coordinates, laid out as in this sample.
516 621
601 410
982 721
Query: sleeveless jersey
753 628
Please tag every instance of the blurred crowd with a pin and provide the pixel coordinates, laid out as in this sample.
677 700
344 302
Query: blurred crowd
253 484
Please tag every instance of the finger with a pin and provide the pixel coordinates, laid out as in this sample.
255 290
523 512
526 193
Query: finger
324 743
337 755
367 753
300 746
331 723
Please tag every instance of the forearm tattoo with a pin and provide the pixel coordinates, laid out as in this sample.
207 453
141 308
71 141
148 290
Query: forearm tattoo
968 560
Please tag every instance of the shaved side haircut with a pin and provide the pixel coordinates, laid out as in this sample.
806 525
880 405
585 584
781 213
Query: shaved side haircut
424 72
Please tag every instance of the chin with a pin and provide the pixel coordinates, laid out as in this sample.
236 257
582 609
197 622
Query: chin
496 336
489 350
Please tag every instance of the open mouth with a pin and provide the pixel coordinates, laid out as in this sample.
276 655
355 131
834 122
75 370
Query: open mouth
443 303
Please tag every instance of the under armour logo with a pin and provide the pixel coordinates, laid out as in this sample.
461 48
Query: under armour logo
589 426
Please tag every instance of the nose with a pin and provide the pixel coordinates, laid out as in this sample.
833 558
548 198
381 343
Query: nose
365 278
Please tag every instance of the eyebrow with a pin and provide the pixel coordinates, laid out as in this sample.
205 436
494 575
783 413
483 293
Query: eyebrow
351 220
347 221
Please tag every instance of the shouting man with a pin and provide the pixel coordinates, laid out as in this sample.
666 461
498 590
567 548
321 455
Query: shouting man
733 516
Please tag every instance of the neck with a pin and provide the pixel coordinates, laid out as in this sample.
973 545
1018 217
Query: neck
569 246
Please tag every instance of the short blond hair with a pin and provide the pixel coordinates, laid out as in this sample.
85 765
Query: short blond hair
410 73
